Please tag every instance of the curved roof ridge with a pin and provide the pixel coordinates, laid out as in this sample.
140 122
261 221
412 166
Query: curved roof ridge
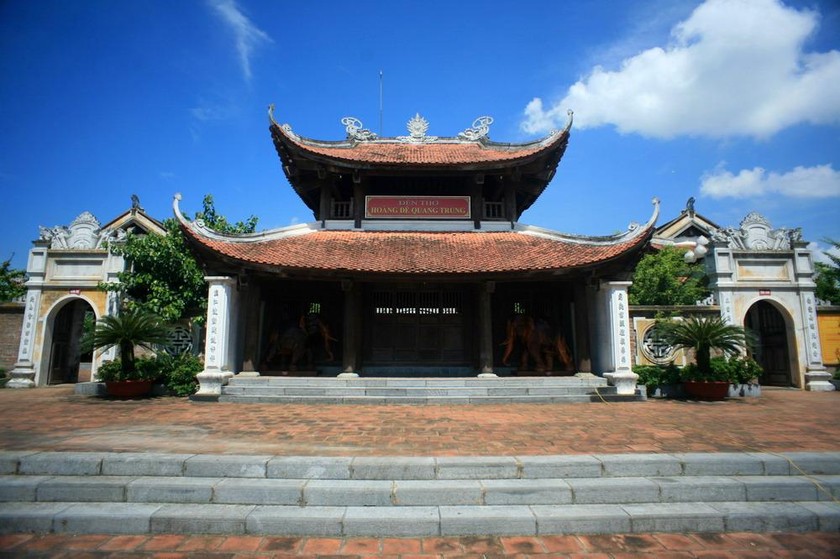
481 141
200 229
633 230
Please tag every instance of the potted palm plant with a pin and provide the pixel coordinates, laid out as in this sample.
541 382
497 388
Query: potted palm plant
704 335
127 331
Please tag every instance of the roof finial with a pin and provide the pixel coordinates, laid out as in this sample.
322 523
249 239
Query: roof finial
571 114
271 114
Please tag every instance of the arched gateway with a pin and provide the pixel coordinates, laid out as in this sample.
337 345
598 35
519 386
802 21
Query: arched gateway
66 267
416 265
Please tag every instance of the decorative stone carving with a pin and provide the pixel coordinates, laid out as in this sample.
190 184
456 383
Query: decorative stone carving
707 302
417 127
180 341
655 348
83 234
480 129
355 130
756 233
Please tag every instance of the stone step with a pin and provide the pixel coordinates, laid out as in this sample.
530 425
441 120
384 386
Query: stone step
259 398
37 463
415 391
247 389
133 518
431 382
417 492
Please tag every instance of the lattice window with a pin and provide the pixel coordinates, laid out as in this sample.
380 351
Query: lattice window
342 210
494 210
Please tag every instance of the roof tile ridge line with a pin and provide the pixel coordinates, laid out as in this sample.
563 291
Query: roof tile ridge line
484 143
633 231
201 230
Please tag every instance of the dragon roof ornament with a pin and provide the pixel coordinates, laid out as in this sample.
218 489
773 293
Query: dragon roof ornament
356 131
480 129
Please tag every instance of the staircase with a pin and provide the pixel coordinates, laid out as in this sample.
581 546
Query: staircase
145 493
429 390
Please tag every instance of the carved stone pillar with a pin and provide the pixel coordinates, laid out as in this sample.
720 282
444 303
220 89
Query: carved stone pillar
816 377
485 328
617 360
219 350
23 375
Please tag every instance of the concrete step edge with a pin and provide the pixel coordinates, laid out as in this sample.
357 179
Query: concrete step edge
125 518
53 463
402 493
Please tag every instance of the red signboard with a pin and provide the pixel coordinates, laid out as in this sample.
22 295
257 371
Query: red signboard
417 207
764 292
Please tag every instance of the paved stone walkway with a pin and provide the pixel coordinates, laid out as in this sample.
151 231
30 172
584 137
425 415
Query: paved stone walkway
781 420
660 546
56 419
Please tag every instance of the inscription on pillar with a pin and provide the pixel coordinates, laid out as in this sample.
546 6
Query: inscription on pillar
29 321
213 327
813 340
623 341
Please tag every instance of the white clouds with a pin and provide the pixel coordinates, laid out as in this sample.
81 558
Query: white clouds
734 67
821 181
247 35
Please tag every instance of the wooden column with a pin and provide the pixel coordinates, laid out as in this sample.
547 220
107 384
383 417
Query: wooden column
324 208
251 328
358 201
485 328
477 202
584 351
352 323
510 203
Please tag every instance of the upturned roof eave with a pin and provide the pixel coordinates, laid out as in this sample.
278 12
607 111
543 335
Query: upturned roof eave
202 242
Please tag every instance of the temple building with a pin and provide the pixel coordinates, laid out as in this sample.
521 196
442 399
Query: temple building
417 264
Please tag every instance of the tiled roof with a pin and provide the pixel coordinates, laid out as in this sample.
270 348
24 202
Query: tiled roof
422 154
387 252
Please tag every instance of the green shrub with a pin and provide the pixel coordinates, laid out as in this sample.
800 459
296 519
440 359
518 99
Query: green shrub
177 372
736 370
657 375
110 371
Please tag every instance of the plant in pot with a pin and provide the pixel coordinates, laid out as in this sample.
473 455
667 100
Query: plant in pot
704 335
127 331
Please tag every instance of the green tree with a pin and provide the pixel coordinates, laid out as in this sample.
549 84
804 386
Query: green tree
704 334
219 223
162 276
828 275
665 278
11 281
128 330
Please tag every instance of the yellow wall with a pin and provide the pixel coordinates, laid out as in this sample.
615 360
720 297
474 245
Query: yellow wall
829 326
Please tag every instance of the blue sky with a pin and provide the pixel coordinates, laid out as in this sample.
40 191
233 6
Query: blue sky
734 102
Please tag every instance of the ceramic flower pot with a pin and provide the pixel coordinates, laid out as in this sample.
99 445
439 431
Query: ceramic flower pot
128 388
708 390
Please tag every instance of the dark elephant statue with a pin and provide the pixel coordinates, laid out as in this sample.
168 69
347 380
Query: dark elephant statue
536 340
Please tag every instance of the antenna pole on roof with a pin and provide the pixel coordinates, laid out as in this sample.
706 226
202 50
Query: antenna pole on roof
380 103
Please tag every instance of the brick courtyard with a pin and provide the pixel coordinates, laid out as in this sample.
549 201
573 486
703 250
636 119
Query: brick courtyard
56 419
781 420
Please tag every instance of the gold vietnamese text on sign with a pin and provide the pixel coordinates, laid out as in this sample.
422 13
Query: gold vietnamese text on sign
417 207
